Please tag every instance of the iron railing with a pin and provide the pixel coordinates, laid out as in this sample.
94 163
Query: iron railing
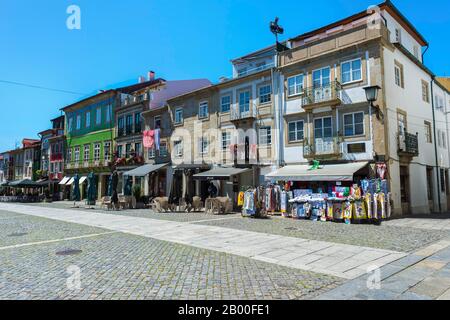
322 147
324 93
243 112
408 143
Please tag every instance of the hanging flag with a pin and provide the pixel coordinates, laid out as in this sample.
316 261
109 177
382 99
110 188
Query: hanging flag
157 138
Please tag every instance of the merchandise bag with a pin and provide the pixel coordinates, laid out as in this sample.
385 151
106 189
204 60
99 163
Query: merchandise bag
347 209
329 210
241 199
337 211
359 210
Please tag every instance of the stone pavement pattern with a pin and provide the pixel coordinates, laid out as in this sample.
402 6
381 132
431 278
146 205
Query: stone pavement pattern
341 260
124 266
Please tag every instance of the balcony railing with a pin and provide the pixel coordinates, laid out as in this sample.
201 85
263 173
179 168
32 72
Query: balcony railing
329 93
408 144
243 112
130 99
247 72
322 147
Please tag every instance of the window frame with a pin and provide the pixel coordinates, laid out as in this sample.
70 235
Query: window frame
98 116
321 77
97 151
351 71
155 120
202 106
269 94
226 140
267 135
178 148
178 111
323 127
203 141
296 122
88 119
302 85
428 132
353 114
222 104
107 150
425 91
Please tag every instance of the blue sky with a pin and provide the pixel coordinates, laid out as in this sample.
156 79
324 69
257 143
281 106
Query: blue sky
179 39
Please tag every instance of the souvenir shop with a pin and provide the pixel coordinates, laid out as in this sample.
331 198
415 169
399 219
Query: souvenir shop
350 193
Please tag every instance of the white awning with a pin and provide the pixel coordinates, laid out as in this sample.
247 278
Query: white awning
70 182
82 179
144 170
329 173
64 180
220 173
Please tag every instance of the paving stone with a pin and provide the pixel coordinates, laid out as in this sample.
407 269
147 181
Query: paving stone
432 287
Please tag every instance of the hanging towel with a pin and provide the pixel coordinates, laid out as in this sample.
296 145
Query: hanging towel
157 138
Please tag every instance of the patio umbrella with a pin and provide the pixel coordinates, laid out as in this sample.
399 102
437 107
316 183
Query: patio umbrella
25 183
91 190
128 183
76 195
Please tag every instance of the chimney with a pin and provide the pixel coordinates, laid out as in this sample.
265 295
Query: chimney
141 79
151 75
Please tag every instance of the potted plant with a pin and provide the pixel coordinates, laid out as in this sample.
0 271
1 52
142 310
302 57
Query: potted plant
136 201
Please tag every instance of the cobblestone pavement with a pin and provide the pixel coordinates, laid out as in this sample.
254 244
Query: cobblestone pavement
123 266
382 237
404 235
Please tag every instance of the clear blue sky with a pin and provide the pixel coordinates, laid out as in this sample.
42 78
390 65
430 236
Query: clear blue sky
179 39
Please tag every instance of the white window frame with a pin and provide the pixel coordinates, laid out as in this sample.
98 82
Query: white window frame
88 119
350 62
178 113
321 77
178 148
86 150
77 154
69 154
222 103
296 122
97 149
78 121
203 110
151 153
353 114
296 85
267 96
398 78
107 150
163 151
244 107
70 124
323 127
203 146
226 140
267 135
108 113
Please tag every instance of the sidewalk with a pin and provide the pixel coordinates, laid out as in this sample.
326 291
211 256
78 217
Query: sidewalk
341 260
424 275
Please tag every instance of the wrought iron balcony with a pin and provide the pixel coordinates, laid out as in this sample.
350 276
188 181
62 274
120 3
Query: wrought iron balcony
408 144
329 94
322 147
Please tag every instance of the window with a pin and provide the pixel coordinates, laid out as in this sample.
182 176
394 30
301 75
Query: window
137 122
226 140
323 128
244 102
443 139
425 91
87 150
70 124
178 148
398 35
98 116
129 124
439 102
295 85
265 136
354 124
78 122
416 51
203 111
107 150
225 104
265 94
399 76
321 77
88 119
108 113
428 134
119 151
296 131
351 71
77 154
128 150
163 149
179 116
356 148
137 148
121 125
69 155
151 153
203 145
97 152
442 174
157 122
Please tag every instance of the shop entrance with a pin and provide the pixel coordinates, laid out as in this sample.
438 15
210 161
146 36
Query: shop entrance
405 190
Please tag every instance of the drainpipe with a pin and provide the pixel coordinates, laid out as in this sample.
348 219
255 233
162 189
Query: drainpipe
278 109
435 146
423 54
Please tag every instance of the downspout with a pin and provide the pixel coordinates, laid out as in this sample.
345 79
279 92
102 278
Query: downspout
278 109
435 146
423 54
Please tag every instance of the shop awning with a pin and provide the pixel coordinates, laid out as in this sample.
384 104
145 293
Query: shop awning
82 179
220 173
70 182
64 180
25 183
144 170
329 173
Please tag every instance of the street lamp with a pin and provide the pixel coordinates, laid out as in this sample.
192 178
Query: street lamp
372 96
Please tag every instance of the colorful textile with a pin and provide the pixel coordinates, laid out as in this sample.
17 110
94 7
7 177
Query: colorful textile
148 139
157 138
241 199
